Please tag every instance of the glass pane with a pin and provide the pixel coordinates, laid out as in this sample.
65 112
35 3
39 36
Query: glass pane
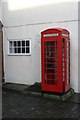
19 50
50 60
54 82
10 44
49 43
10 50
51 65
67 49
67 44
51 76
15 43
23 50
27 50
63 69
27 43
15 50
19 43
23 43
51 71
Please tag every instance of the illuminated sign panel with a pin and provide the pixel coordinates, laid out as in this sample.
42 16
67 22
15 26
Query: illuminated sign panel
65 35
51 35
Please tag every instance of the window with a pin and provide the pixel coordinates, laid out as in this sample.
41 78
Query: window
19 47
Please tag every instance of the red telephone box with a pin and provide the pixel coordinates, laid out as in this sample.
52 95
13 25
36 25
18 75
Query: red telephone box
55 60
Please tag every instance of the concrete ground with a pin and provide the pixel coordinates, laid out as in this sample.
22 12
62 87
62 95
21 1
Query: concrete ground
18 105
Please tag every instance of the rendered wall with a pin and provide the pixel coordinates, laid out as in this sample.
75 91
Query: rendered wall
27 69
0 10
79 47
0 52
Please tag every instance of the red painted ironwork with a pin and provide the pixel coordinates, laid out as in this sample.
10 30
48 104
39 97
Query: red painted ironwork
55 60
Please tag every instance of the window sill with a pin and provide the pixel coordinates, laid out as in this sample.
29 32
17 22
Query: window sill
19 54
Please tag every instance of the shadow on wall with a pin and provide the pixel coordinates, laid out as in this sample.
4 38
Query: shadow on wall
41 14
18 5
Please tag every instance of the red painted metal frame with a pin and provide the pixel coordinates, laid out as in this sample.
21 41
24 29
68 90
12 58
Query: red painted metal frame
62 85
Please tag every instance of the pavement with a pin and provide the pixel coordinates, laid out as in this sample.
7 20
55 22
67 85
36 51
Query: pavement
22 101
35 90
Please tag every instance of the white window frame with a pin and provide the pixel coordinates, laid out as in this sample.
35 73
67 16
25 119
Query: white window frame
20 54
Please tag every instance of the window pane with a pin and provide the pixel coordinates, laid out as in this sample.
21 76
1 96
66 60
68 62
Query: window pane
27 43
67 43
15 50
23 43
19 43
14 43
27 50
23 50
50 43
19 50
10 44
10 50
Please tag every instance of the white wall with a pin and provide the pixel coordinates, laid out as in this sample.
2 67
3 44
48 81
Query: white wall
27 69
79 46
0 10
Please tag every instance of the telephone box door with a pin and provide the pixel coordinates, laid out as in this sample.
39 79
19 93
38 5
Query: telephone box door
51 62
